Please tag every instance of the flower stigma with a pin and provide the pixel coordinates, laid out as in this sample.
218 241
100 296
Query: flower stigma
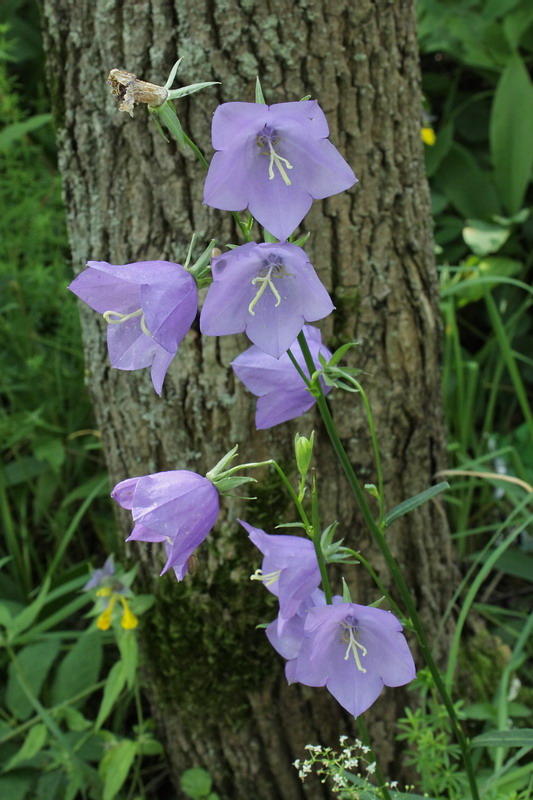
268 579
269 139
348 637
116 318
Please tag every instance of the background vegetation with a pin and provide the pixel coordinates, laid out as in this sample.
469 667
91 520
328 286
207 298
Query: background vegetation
72 718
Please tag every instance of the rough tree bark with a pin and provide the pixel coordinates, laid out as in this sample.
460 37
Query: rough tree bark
217 690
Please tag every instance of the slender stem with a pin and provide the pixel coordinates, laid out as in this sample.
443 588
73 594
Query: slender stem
363 732
316 540
395 571
370 569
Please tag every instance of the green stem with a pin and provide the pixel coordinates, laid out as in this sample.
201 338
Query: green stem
316 540
370 569
394 569
363 733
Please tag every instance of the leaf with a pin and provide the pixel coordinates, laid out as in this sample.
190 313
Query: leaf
413 502
440 149
16 787
28 616
115 766
116 680
196 782
33 744
485 237
79 669
34 661
469 188
15 132
129 652
511 134
515 562
520 737
259 96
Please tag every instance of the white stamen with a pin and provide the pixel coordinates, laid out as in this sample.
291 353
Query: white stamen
268 579
266 281
278 161
353 645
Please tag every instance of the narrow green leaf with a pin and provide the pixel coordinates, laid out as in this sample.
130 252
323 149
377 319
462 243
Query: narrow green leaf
259 96
15 132
115 767
414 502
520 737
116 680
33 744
23 620
34 661
129 652
511 133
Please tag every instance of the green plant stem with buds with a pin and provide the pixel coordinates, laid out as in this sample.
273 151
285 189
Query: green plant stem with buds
394 569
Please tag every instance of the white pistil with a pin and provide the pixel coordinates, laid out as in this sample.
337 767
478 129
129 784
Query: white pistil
266 281
277 160
116 318
353 646
268 579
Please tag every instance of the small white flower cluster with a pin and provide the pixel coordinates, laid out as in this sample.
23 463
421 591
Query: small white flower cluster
340 767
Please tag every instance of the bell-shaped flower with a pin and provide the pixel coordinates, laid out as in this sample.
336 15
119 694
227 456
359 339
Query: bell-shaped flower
274 160
354 651
289 570
286 638
177 507
149 307
267 290
280 389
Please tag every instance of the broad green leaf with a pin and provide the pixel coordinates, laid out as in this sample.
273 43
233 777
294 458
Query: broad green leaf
50 785
468 188
116 680
520 737
485 237
79 669
34 661
33 744
413 502
511 134
16 787
196 783
435 154
74 719
115 766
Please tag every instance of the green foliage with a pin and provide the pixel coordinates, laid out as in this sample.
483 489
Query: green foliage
196 783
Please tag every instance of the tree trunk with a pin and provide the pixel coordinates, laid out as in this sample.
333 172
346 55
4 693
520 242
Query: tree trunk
217 689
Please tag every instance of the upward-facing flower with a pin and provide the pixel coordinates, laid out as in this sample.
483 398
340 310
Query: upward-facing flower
178 508
267 290
280 389
289 570
274 160
149 307
354 651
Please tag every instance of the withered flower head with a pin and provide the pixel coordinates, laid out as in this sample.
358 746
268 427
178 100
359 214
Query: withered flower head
130 90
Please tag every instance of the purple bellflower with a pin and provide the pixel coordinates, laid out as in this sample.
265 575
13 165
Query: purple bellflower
289 570
149 305
281 391
274 160
288 641
178 508
353 650
267 290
